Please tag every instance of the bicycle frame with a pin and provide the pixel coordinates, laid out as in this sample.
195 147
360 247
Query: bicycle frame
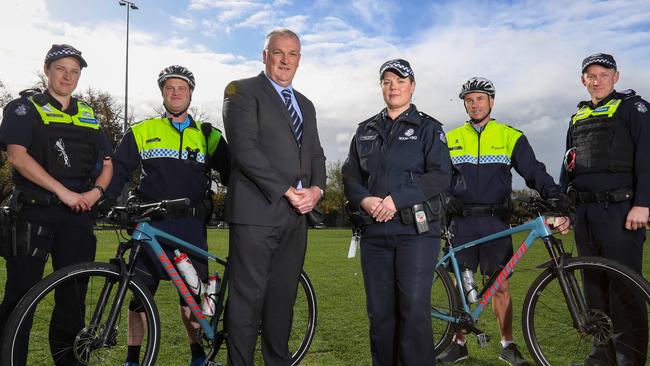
148 234
537 228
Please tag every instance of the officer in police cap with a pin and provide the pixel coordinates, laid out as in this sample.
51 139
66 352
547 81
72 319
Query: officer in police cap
607 174
175 155
397 167
484 151
62 165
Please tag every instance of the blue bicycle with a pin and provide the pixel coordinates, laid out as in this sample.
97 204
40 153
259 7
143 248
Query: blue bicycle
561 326
104 291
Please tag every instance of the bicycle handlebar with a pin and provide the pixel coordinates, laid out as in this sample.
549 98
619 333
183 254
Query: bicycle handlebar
135 212
550 207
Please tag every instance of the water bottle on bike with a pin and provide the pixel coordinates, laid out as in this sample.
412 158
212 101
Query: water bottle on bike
470 285
208 304
187 270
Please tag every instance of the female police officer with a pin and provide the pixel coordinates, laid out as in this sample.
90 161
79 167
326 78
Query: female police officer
397 166
62 165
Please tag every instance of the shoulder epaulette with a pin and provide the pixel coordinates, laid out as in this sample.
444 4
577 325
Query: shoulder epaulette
626 94
368 120
431 118
36 94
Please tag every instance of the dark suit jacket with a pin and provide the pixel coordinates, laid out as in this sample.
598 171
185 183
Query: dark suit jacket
266 156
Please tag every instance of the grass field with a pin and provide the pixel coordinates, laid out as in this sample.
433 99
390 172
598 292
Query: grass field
342 329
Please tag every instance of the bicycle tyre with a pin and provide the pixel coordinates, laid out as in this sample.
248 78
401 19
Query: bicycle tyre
444 301
548 328
304 320
37 305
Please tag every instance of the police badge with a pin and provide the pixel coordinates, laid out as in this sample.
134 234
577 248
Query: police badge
21 110
641 107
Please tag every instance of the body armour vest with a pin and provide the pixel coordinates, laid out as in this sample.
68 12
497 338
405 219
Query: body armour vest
63 144
601 143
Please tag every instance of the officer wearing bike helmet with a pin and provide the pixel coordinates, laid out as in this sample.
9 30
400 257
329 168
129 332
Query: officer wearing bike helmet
175 154
61 166
484 151
396 169
607 175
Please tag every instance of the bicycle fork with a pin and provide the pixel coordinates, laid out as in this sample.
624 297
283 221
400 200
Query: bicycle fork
575 300
107 334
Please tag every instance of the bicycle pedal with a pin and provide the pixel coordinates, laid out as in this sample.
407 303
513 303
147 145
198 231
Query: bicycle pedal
482 339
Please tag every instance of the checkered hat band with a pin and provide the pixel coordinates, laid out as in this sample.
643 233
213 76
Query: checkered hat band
63 52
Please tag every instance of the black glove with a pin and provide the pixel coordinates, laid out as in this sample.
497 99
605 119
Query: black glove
104 206
560 201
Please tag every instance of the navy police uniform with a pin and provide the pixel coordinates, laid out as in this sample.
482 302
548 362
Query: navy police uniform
173 165
70 146
481 191
407 159
607 172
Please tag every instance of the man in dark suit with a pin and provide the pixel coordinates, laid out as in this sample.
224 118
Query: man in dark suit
278 176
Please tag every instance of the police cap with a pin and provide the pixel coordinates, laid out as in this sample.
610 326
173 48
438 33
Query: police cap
601 59
64 50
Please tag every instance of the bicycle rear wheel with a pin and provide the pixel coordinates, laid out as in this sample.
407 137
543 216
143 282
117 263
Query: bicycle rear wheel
67 336
303 326
444 300
549 330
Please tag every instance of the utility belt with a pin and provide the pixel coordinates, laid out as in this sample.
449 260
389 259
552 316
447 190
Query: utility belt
502 211
419 214
617 195
201 210
21 197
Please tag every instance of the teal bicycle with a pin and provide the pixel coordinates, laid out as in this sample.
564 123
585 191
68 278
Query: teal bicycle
560 326
104 290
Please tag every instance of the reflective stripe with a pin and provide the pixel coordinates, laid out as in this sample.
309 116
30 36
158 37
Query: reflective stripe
606 110
85 116
168 153
484 159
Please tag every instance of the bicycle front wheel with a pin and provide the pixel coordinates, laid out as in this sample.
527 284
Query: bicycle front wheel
41 333
614 314
444 300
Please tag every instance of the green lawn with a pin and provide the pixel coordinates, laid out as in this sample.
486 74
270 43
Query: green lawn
342 330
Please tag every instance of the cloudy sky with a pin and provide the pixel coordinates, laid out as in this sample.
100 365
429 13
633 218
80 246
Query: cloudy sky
531 50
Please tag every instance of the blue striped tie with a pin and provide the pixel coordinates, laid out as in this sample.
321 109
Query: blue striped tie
295 117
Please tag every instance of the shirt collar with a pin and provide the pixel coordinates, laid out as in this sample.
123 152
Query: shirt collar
72 107
279 88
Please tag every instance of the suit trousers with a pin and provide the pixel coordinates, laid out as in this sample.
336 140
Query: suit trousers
600 232
398 273
264 265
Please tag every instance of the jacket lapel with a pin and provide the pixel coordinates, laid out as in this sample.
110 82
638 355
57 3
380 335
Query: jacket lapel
279 103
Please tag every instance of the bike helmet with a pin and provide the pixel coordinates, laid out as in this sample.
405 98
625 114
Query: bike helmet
477 85
176 71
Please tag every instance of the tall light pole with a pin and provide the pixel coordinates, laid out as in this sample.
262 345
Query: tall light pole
129 5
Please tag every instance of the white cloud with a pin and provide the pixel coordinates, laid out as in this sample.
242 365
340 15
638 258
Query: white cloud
186 23
531 50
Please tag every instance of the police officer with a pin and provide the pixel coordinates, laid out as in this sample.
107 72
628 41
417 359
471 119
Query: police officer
484 151
61 161
607 173
397 167
175 154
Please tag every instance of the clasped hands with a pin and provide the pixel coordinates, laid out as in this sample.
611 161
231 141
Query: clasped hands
303 200
381 209
79 202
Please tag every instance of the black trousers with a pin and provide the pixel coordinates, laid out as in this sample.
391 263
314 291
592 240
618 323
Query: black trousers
264 265
600 231
398 273
73 242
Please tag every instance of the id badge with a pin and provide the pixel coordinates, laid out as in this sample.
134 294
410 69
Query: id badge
420 218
